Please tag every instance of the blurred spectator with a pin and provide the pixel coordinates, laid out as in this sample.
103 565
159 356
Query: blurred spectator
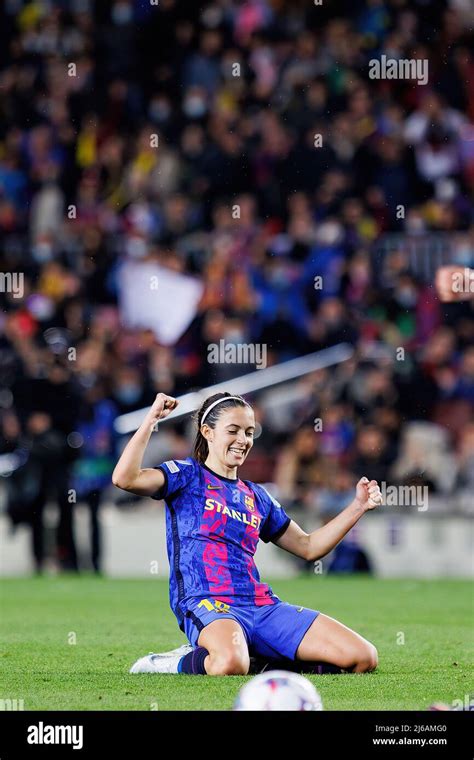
93 469
371 454
464 387
18 470
337 495
50 473
424 454
300 469
465 460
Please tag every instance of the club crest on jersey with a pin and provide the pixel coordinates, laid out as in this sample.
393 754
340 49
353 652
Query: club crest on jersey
249 503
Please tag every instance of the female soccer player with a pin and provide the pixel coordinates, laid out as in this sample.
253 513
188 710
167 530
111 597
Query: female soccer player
213 523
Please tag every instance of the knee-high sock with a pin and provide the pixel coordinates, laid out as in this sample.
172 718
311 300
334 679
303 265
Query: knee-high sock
193 662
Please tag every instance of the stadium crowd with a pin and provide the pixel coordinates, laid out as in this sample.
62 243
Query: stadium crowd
237 93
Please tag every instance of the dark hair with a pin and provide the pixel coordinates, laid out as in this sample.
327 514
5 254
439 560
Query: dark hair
201 449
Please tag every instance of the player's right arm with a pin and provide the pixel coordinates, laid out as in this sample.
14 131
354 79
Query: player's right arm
128 473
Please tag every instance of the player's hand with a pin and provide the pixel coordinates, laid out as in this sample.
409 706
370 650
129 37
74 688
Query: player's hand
368 494
161 407
446 278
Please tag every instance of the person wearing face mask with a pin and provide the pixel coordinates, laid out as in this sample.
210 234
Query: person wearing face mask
195 103
122 13
128 392
401 304
161 112
406 296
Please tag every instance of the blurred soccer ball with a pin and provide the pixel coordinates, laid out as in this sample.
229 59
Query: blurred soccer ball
278 690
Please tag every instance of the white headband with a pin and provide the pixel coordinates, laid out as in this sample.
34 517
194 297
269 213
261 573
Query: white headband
214 403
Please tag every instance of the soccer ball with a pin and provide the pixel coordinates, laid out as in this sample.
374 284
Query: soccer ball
278 690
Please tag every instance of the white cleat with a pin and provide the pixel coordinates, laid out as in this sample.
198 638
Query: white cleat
163 662
178 652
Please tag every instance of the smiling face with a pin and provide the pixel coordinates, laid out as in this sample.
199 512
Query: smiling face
230 440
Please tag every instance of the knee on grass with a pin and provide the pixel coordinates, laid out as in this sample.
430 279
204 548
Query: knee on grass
367 659
227 663
362 659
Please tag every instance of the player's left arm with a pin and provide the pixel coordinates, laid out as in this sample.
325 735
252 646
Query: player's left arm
313 546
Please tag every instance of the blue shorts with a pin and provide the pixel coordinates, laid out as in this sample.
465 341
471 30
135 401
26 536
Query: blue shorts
273 630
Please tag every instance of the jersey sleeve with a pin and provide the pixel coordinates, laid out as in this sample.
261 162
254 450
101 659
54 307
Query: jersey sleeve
276 520
178 474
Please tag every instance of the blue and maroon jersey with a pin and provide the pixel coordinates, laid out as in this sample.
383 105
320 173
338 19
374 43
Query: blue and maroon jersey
213 525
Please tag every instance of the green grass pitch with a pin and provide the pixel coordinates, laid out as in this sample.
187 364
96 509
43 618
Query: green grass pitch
67 643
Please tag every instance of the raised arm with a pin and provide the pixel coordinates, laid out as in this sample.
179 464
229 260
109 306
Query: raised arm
313 546
128 473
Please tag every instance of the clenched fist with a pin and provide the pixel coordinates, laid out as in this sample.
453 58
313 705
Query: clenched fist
162 406
368 494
